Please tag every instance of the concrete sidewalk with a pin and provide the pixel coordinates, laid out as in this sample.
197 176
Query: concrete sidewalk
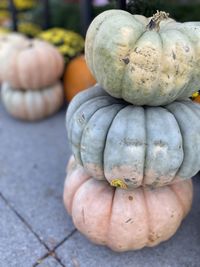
34 227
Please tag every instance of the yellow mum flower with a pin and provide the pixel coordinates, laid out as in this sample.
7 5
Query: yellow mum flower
4 31
29 29
194 95
24 4
67 42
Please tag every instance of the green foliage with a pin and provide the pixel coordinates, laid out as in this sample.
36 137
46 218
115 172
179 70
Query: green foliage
188 11
144 7
65 15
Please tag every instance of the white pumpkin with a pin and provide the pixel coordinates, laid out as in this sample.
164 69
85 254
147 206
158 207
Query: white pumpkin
32 105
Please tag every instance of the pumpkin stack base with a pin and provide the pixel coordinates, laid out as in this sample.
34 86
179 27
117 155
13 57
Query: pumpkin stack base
124 219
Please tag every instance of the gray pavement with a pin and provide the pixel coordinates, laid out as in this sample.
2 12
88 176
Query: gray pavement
35 230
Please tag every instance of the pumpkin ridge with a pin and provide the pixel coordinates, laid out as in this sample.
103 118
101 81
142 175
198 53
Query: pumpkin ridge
14 63
192 104
20 67
91 100
110 217
184 87
82 130
147 217
84 96
179 200
131 50
95 37
150 165
88 33
126 65
79 187
84 103
145 150
154 90
185 91
182 129
107 136
120 13
175 176
103 148
111 110
40 65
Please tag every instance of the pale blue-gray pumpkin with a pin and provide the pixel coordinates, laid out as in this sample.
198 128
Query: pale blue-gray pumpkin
130 146
146 61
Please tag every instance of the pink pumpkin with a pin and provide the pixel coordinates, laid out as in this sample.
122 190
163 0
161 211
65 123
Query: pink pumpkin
122 219
33 65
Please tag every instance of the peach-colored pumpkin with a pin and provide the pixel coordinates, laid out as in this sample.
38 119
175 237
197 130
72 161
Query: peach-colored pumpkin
33 65
122 219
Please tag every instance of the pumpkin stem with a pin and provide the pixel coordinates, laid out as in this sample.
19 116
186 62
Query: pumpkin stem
154 23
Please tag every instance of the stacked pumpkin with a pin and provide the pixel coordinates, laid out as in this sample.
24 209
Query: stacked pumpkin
31 71
136 130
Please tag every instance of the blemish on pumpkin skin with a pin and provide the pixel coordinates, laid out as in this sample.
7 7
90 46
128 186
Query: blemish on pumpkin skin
130 198
81 118
153 237
126 60
129 220
174 55
187 49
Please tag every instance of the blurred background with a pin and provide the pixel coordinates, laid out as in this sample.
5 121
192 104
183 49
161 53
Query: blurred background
32 18
64 23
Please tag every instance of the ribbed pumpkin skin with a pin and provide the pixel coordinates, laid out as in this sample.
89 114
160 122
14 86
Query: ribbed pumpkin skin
119 142
122 219
142 66
32 105
33 66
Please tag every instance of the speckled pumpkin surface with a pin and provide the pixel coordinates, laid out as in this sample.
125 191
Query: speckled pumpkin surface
122 219
32 105
141 60
130 146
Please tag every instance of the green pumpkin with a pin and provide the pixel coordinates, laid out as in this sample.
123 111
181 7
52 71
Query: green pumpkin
129 145
145 61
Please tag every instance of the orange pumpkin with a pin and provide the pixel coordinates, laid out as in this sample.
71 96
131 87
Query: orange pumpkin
77 77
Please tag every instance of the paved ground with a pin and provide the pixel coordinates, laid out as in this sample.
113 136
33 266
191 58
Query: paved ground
34 227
